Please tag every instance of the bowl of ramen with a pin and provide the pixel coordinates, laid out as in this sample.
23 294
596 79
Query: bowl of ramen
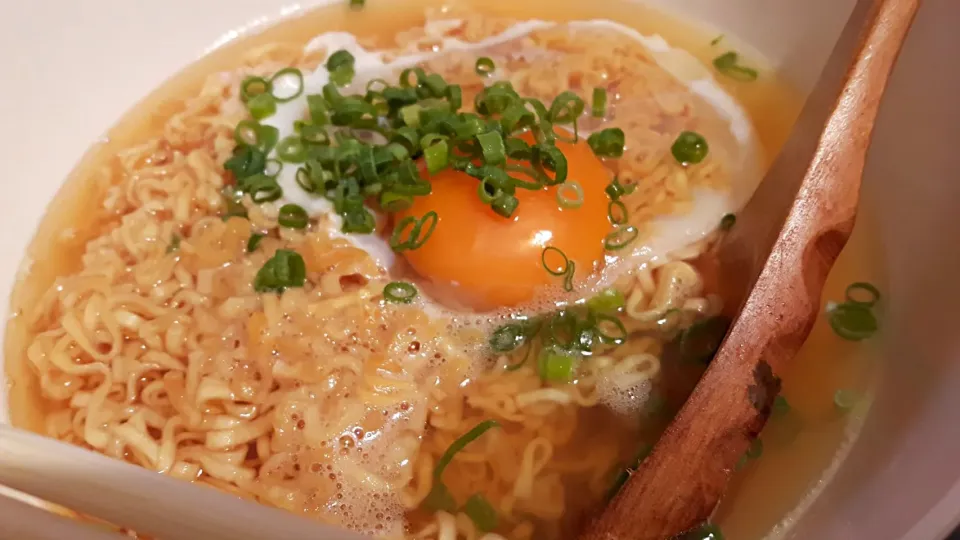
439 270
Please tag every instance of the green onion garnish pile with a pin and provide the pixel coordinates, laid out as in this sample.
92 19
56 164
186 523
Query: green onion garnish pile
564 337
419 117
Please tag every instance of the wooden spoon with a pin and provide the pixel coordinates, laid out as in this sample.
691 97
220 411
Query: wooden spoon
678 486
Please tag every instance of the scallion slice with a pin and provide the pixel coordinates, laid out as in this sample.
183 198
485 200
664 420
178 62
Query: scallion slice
292 150
505 205
491 144
554 269
253 242
399 292
293 216
252 87
262 106
852 321
689 148
400 240
555 365
607 143
728 63
727 222
617 213
620 237
610 329
855 292
357 4
460 444
286 84
481 512
607 302
284 270
599 108
485 66
247 132
570 195
437 156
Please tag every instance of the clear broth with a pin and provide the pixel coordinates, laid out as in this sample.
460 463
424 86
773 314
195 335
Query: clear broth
755 503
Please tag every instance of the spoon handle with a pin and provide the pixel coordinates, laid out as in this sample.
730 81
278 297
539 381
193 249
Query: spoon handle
678 486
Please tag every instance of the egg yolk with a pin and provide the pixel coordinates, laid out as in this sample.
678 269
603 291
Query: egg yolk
485 261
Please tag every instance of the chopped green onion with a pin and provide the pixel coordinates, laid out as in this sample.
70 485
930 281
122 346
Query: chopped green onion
254 241
357 4
358 221
555 365
340 59
342 75
780 406
481 512
511 336
566 108
728 63
312 134
599 102
853 296
174 244
558 269
292 150
727 222
690 148
845 399
262 188
247 132
570 195
286 84
293 216
853 322
608 301
460 444
416 237
491 143
284 270
616 190
252 87
607 143
620 237
485 66
716 40
319 109
440 497
617 213
568 277
395 202
610 329
399 292
245 162
505 205
437 156
262 106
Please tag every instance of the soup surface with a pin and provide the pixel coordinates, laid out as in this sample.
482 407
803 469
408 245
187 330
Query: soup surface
422 271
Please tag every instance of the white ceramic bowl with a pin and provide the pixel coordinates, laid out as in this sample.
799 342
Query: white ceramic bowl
73 68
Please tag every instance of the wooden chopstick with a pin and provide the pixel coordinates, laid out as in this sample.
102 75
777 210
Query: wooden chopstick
150 503
23 521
